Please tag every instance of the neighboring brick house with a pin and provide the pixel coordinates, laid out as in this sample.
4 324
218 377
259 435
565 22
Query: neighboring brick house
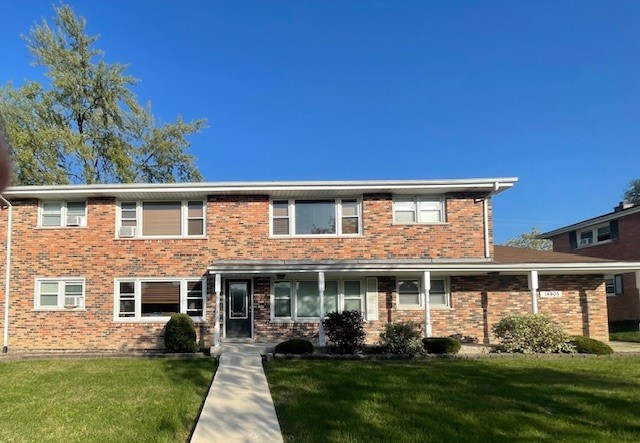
102 267
614 236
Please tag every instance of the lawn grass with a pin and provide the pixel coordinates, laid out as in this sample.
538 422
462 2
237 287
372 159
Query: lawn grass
632 336
458 400
101 400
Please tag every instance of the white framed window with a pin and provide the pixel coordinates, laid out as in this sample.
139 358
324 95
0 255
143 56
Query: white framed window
409 293
613 285
62 214
594 235
161 219
156 299
59 293
418 209
319 217
299 300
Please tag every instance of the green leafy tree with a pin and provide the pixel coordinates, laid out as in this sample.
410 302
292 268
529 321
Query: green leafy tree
530 240
632 194
86 125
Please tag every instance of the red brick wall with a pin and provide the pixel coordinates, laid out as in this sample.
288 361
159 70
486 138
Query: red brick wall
478 303
238 228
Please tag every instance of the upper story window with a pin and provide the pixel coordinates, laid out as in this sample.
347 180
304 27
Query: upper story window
333 217
594 235
63 214
161 219
419 209
409 294
59 293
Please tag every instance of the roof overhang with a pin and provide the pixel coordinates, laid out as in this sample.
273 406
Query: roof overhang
272 189
406 267
590 222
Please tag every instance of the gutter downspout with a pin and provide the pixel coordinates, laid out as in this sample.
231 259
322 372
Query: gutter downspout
7 277
485 219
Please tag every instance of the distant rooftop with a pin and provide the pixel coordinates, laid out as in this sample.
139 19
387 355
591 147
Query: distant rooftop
622 210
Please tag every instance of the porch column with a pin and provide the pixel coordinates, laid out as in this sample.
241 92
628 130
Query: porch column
321 340
533 287
426 285
216 327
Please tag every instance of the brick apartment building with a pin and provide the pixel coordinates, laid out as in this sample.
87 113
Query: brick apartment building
614 236
102 267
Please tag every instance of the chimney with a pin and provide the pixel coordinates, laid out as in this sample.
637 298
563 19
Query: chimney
622 206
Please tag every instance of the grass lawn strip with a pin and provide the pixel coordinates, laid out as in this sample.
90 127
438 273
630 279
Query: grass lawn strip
457 400
632 336
97 400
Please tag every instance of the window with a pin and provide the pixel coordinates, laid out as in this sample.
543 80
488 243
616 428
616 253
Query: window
299 300
613 284
161 219
63 214
423 209
158 299
409 294
59 293
316 217
594 235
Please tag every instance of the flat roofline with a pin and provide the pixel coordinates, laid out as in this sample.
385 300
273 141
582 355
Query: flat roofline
494 185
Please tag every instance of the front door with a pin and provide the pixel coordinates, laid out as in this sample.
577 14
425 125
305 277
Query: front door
238 312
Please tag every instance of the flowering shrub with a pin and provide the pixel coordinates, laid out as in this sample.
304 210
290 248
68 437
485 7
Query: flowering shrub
531 333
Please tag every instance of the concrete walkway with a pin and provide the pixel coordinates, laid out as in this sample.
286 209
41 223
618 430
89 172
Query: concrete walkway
238 407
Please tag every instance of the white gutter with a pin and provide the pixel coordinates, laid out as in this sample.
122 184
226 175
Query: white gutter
7 278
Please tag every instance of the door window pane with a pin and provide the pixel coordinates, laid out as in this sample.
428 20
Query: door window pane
238 295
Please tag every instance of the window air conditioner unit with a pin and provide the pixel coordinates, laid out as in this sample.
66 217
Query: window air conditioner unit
75 220
585 241
73 302
127 231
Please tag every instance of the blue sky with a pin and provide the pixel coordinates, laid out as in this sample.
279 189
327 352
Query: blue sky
546 91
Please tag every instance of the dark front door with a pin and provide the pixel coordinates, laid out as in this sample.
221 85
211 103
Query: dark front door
238 313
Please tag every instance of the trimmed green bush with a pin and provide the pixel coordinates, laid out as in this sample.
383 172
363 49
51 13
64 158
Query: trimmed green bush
345 331
441 345
586 345
180 334
402 338
295 346
531 333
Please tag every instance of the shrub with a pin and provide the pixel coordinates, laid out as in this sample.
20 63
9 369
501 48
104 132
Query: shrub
531 333
295 346
345 331
586 345
180 334
401 338
441 345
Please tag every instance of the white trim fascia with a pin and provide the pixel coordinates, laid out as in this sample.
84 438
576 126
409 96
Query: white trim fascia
494 185
600 267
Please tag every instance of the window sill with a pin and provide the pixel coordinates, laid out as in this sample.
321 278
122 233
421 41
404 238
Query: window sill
58 310
421 308
421 224
196 320
595 244
323 236
61 227
194 237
